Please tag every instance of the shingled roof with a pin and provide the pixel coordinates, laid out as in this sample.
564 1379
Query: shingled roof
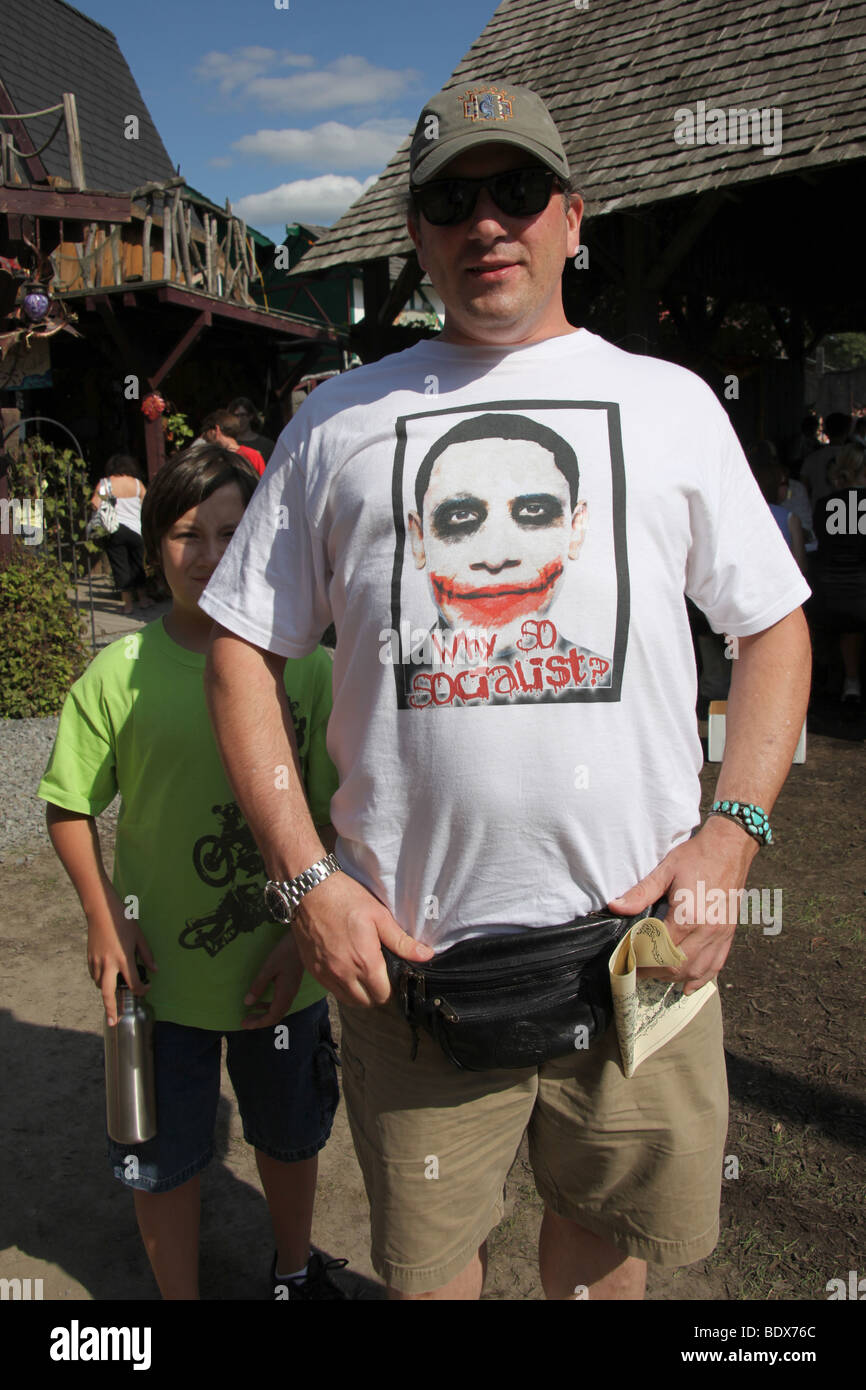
47 48
614 72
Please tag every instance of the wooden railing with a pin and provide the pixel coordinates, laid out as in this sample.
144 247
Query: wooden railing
174 236
9 151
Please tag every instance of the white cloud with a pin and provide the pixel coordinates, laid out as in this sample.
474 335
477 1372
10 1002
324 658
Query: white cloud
370 144
304 200
237 69
347 81
350 80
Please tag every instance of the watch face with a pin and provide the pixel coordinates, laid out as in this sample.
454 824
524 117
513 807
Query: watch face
278 904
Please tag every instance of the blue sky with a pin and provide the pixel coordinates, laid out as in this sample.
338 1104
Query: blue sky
288 112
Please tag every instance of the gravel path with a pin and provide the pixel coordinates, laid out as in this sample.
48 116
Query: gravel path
25 747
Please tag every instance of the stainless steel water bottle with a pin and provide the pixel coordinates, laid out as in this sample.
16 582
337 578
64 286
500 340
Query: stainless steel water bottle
130 1095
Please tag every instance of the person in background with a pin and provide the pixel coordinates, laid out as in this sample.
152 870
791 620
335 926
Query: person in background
770 477
839 566
792 494
815 465
223 428
805 442
124 547
250 421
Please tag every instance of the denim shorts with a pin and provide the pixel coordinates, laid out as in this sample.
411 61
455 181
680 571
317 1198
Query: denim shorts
287 1097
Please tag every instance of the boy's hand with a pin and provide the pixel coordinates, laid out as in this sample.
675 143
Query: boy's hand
285 967
113 941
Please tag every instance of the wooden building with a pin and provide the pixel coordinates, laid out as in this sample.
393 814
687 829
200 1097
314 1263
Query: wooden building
152 285
719 145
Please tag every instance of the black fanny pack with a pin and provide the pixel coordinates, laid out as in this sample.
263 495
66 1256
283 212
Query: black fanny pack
514 1000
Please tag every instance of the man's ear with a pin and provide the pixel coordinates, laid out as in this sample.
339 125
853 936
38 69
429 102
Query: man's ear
573 219
416 539
578 530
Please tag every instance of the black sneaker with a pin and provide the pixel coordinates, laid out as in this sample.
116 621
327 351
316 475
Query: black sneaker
317 1284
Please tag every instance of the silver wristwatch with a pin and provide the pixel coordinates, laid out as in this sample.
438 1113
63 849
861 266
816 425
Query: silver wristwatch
283 898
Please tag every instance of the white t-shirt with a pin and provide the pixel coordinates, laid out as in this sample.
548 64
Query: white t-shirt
514 683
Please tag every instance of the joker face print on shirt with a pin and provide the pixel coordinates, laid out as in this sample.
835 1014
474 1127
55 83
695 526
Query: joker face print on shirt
497 526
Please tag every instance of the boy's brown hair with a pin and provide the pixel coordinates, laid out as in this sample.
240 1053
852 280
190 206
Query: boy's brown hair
187 479
222 420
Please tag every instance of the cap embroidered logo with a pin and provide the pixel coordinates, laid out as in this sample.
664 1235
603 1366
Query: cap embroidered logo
487 104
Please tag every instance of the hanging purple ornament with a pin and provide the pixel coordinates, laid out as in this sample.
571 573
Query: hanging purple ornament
36 305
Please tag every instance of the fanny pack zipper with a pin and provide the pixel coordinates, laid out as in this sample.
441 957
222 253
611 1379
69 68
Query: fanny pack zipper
448 1011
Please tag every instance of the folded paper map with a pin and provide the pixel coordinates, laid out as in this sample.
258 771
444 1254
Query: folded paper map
648 1013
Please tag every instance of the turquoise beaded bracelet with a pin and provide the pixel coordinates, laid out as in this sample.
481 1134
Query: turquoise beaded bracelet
751 817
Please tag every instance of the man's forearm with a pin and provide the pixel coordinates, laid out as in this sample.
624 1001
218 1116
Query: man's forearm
255 735
766 708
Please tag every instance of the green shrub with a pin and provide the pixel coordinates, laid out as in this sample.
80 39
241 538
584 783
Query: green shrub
61 479
41 651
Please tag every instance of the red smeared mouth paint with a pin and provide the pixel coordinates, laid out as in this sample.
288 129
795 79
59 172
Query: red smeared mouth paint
496 603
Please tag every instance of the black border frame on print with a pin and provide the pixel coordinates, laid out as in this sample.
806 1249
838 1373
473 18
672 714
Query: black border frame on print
259 1329
610 693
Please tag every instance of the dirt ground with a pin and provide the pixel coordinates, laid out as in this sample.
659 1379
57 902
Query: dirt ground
792 1216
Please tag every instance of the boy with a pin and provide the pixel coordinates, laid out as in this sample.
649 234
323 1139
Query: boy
187 896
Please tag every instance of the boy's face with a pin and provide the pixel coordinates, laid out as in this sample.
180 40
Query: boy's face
193 546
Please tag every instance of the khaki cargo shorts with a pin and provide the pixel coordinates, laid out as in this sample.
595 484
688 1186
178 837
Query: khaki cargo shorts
637 1161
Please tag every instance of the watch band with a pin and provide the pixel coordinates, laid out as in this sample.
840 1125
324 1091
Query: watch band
283 898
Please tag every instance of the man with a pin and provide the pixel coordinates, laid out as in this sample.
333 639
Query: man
497 520
462 822
223 428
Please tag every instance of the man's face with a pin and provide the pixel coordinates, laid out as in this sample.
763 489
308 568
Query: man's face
496 534
500 277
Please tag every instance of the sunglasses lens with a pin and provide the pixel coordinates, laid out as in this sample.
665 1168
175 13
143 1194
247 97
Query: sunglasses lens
522 192
448 201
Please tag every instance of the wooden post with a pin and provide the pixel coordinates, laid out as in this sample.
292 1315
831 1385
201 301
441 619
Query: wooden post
208 255
154 439
88 255
146 271
224 249
116 265
377 287
182 234
73 136
97 257
195 257
7 157
240 243
237 268
166 237
401 291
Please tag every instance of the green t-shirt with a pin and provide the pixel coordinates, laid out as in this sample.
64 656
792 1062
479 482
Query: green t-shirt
136 722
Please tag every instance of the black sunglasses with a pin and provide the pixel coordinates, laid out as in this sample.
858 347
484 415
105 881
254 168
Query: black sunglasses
517 193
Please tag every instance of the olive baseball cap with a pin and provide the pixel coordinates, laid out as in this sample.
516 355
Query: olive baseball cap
477 113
